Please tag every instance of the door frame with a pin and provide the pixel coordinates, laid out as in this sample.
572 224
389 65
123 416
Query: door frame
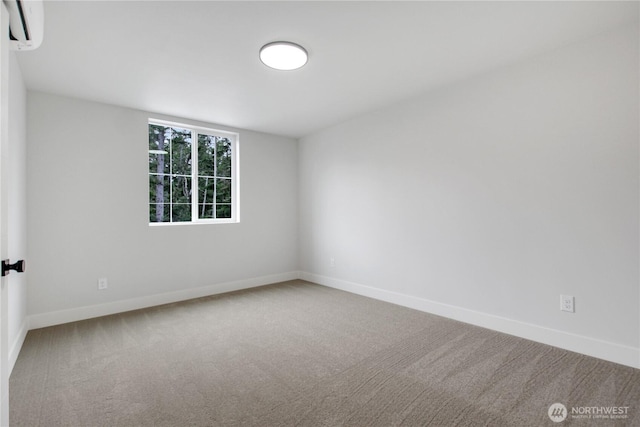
4 228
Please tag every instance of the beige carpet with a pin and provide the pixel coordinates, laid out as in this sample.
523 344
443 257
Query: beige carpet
298 354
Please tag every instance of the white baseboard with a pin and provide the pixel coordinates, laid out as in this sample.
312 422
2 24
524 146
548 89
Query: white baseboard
605 350
43 320
16 345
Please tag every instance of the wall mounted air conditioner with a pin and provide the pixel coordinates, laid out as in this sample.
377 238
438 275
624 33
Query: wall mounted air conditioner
26 23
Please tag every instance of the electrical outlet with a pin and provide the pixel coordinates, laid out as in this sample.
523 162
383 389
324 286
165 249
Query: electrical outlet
567 303
332 262
102 284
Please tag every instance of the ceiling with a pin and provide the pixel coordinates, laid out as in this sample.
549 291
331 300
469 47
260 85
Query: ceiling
199 60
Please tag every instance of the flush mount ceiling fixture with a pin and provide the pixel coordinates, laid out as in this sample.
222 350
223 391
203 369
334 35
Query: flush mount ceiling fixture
284 56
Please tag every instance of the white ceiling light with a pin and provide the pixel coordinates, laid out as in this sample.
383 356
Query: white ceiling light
283 55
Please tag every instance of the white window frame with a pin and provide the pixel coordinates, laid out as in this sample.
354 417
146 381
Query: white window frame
235 174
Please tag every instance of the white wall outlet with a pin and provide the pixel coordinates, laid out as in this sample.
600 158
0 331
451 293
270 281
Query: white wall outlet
332 262
567 303
102 284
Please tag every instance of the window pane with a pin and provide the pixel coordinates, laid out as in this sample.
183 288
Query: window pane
157 138
223 147
223 191
206 155
158 163
158 150
181 189
205 210
159 198
180 151
159 213
181 212
223 211
206 196
158 188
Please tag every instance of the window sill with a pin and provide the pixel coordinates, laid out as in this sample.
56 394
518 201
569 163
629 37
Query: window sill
204 222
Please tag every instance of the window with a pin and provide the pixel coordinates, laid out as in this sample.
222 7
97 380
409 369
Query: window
185 161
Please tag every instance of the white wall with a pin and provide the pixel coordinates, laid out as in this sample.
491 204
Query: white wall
88 216
17 201
486 200
483 201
